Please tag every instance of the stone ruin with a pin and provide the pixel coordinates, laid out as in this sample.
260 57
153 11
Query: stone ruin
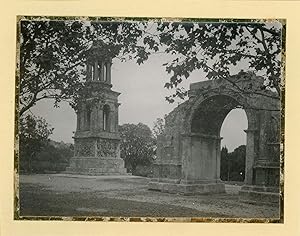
189 150
97 139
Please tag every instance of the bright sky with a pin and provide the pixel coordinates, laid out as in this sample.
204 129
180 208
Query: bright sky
142 100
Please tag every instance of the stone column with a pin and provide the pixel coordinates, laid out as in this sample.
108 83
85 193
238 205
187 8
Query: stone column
93 118
100 120
78 120
96 70
250 155
112 121
218 157
88 72
96 117
118 151
84 118
102 72
95 149
264 119
117 118
109 120
108 72
186 156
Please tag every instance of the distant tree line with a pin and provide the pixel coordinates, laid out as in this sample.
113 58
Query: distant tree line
233 164
39 154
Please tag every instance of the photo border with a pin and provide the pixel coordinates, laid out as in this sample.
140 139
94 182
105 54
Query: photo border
17 215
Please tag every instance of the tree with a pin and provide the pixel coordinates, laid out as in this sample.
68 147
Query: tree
217 48
159 127
52 157
237 161
53 55
233 164
33 137
137 145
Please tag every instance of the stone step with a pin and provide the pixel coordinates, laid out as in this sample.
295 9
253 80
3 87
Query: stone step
89 172
79 165
92 162
95 174
105 168
96 170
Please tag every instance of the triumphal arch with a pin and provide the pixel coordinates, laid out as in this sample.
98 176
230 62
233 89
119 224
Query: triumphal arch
188 154
97 139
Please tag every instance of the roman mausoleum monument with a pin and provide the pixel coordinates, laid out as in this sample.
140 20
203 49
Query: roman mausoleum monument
97 140
188 154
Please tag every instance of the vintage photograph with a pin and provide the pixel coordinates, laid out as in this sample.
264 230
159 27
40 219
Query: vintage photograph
150 119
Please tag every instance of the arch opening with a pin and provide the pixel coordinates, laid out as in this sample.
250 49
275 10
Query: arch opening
233 146
209 116
206 124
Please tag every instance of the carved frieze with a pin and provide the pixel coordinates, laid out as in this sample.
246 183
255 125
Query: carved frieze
107 148
84 148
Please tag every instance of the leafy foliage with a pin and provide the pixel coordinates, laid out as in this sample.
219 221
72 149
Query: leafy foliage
53 56
159 127
216 48
37 152
137 145
53 53
53 157
33 137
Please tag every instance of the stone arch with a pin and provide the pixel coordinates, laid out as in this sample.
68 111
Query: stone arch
210 114
236 99
203 124
191 164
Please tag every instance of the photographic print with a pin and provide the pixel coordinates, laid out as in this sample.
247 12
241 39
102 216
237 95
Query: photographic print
149 119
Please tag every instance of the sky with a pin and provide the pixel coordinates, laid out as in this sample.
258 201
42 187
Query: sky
142 100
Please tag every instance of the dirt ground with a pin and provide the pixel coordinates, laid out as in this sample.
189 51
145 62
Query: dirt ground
126 196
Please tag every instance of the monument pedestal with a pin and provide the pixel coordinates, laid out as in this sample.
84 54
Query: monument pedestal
266 184
96 166
259 194
186 187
